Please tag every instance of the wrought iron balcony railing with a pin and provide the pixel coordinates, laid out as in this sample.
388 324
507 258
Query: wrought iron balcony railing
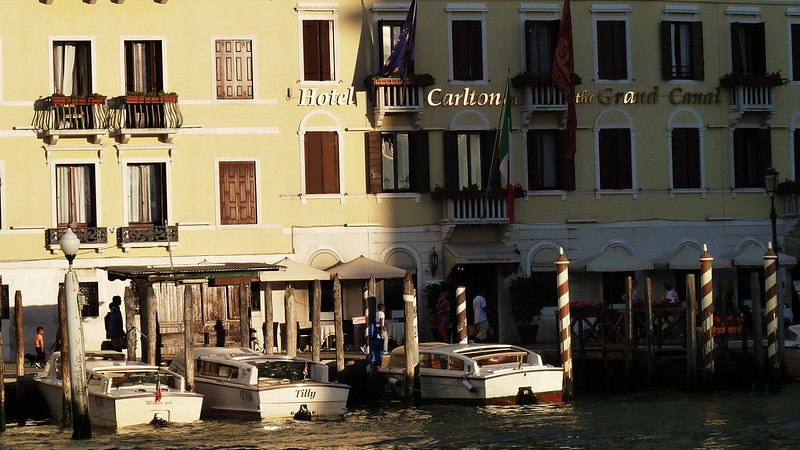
57 116
147 235
87 236
145 115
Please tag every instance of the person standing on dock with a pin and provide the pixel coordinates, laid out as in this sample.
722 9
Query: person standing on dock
441 320
481 319
114 327
41 356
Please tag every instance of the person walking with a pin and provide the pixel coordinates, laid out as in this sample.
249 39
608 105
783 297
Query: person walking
114 327
481 320
441 319
41 356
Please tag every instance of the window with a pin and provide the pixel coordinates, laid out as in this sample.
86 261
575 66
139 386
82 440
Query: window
75 195
147 191
87 296
615 158
612 50
318 50
795 49
686 158
237 192
143 66
398 162
234 59
72 67
682 50
797 153
468 160
389 35
322 162
548 164
748 48
752 155
540 46
467 44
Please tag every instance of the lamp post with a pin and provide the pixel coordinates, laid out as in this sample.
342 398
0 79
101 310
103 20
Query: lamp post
81 427
771 185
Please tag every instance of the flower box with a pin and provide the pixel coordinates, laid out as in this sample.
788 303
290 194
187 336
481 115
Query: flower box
749 79
530 79
151 99
60 100
441 194
410 80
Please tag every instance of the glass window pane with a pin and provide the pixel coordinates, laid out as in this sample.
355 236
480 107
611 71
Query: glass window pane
475 159
463 161
549 158
388 155
402 158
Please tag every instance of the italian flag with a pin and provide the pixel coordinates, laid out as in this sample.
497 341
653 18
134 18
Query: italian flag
503 153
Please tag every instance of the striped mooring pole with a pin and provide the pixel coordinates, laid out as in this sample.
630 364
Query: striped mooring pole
707 312
461 314
564 322
770 287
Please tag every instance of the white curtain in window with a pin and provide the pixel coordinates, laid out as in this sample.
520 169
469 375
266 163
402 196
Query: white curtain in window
139 61
74 194
139 193
72 68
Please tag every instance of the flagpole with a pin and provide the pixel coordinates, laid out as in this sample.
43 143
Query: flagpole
497 138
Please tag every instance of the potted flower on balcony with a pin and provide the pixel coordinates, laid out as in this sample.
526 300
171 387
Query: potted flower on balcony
787 187
59 99
159 97
753 79
526 78
528 297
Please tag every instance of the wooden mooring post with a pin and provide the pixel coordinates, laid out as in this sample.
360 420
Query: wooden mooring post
244 317
269 320
188 334
461 314
66 376
629 336
19 323
758 336
130 322
691 334
338 325
150 334
2 375
564 324
291 322
316 311
771 289
706 308
648 304
411 345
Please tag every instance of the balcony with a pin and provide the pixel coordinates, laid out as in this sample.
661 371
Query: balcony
752 93
540 93
145 115
61 116
90 237
469 207
155 236
399 96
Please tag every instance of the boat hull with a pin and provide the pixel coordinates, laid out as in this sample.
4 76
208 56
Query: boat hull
539 385
323 400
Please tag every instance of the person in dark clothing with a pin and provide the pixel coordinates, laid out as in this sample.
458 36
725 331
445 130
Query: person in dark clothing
114 327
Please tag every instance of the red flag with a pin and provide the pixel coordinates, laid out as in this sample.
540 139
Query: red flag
564 78
158 387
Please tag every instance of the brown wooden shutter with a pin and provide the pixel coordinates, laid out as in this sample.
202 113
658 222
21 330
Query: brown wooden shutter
566 172
237 192
624 157
419 162
605 50
693 159
738 158
234 69
490 169
680 150
330 162
533 145
764 152
698 60
797 154
796 56
620 51
451 182
461 54
313 163
615 158
476 50
666 50
736 49
325 57
759 50
374 162
311 50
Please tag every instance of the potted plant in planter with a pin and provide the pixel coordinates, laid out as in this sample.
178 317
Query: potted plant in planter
527 299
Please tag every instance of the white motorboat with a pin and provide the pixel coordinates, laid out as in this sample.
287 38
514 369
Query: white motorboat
124 393
240 382
793 353
478 374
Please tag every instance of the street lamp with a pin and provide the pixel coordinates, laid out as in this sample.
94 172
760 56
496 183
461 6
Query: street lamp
81 427
771 185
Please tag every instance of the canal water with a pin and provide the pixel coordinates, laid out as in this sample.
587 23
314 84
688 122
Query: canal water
663 419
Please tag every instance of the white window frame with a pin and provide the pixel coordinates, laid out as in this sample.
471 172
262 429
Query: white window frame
51 40
616 12
534 11
743 14
467 11
318 11
126 190
697 123
164 58
301 134
732 156
634 190
218 195
792 18
385 11
254 68
96 162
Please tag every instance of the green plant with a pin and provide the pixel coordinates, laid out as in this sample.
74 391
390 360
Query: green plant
788 187
528 297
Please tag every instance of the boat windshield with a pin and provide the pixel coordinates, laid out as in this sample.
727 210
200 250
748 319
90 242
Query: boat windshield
139 379
503 358
285 370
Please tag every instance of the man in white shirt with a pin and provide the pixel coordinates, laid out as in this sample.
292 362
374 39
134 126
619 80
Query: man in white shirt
380 317
481 321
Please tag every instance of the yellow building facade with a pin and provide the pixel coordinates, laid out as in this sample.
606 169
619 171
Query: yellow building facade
184 133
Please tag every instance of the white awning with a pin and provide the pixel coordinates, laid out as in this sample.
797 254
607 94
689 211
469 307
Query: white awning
363 268
613 259
688 258
478 253
753 256
294 271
